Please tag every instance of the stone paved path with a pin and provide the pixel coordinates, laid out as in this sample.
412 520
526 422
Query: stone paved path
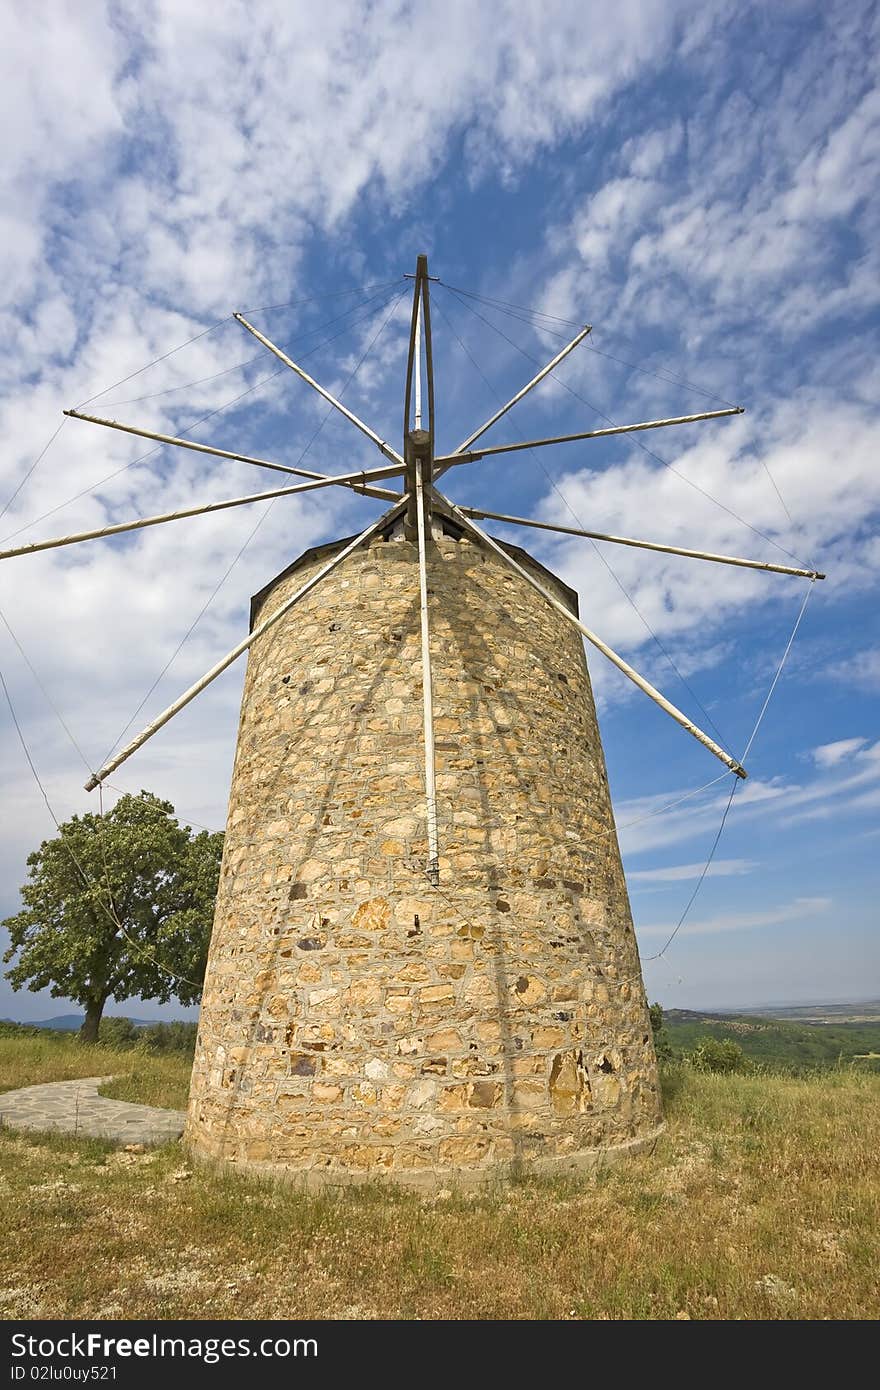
75 1107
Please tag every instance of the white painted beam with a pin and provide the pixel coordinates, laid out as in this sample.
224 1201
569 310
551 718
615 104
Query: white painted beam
386 449
119 528
643 545
470 455
383 493
433 865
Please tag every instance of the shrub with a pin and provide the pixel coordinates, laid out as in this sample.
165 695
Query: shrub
117 1032
169 1037
121 1033
719 1055
8 1029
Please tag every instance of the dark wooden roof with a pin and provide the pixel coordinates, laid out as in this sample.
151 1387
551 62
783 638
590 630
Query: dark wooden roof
324 552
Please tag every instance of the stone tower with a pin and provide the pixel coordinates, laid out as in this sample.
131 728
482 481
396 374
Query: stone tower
357 1021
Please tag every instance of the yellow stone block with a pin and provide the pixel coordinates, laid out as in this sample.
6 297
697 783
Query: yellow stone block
398 1003
530 1095
436 994
373 915
325 1093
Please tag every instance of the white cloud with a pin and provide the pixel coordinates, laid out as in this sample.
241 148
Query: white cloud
821 456
205 147
861 670
645 826
677 873
830 754
58 109
744 921
645 155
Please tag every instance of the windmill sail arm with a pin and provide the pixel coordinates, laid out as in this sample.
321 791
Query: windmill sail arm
142 522
478 513
380 443
539 377
225 662
601 646
470 455
225 453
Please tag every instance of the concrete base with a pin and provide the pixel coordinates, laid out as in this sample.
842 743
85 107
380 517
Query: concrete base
428 1180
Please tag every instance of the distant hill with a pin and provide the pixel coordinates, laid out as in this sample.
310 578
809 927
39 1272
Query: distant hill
71 1023
867 1011
766 1038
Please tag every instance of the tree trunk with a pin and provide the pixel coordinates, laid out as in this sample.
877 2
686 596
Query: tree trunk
89 1031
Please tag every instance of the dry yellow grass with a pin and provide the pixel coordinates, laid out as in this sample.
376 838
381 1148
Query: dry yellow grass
762 1201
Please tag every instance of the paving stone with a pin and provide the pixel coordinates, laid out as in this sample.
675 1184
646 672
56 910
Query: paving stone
74 1107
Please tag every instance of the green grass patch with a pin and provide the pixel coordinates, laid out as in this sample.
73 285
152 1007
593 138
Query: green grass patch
30 1057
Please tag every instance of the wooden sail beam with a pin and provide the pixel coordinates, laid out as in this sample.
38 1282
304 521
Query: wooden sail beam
242 646
433 864
444 464
601 646
470 455
478 512
384 448
118 529
384 493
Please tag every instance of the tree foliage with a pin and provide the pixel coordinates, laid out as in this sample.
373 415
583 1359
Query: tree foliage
117 906
122 1034
662 1045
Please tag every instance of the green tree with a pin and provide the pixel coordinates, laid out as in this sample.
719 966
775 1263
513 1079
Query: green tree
117 906
662 1045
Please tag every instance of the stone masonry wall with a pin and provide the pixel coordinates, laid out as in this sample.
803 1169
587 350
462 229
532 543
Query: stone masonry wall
356 1021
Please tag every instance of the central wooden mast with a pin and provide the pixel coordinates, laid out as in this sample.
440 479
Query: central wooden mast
418 453
418 443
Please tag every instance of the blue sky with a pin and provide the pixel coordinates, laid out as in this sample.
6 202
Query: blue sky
700 185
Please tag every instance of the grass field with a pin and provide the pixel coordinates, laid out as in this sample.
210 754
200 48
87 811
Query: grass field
761 1201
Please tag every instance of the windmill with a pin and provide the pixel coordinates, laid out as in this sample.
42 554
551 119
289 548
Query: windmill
391 990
